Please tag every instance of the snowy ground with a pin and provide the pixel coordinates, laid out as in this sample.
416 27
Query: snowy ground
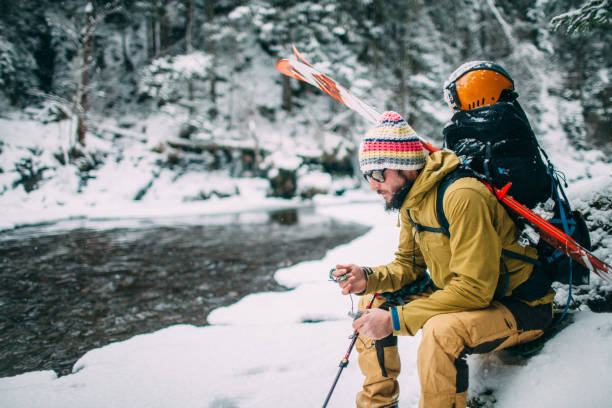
259 352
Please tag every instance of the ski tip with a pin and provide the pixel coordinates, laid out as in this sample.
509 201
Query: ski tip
285 68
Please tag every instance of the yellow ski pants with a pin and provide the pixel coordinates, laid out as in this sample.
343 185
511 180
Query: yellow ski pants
446 341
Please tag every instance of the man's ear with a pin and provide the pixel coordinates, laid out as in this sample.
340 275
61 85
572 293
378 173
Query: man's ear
411 174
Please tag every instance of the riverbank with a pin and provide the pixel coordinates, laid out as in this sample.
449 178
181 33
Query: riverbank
283 349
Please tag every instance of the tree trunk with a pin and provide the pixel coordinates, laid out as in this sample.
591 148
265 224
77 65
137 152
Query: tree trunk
164 28
189 27
189 49
127 62
287 102
378 19
87 50
402 92
151 50
211 51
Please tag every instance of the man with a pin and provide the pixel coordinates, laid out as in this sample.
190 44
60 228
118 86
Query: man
458 289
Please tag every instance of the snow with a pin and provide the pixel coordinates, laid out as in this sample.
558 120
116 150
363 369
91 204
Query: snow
573 369
260 352
283 161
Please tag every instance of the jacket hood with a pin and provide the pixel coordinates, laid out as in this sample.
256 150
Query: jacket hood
437 165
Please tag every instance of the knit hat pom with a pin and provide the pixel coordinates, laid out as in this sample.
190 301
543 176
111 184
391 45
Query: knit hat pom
392 144
389 115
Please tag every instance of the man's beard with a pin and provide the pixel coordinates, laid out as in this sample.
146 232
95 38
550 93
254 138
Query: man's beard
399 196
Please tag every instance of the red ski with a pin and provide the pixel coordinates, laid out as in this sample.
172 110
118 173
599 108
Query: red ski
299 68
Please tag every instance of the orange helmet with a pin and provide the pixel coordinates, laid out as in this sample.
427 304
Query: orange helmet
476 84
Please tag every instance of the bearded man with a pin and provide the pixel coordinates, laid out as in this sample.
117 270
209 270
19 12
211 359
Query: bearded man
459 290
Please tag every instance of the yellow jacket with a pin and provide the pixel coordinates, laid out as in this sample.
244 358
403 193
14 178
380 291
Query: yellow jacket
465 267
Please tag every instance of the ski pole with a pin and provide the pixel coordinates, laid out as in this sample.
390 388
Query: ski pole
344 362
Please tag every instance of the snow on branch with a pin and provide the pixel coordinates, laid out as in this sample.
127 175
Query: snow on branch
593 13
164 76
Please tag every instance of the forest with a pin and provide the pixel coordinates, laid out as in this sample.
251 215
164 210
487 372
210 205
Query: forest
108 66
171 205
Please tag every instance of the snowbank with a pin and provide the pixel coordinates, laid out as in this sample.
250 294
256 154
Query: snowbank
260 352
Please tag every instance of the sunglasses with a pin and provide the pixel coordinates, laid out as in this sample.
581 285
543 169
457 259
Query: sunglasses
376 175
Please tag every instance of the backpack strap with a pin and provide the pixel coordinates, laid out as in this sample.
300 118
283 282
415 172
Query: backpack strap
420 227
459 172
449 179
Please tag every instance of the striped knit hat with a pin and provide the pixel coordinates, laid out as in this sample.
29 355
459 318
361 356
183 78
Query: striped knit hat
392 144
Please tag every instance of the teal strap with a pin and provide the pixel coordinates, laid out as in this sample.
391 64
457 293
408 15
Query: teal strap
395 319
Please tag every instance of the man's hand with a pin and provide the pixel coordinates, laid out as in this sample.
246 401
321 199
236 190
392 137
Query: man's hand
355 281
374 323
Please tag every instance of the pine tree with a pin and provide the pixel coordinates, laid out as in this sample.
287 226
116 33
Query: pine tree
592 14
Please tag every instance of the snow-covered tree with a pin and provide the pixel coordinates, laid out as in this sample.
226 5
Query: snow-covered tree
167 79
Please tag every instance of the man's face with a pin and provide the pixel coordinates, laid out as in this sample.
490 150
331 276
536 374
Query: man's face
395 188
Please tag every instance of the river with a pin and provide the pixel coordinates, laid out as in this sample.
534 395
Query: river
69 287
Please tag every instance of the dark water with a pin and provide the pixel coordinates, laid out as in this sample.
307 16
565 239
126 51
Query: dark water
64 292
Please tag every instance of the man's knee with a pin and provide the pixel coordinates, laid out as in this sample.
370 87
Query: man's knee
444 331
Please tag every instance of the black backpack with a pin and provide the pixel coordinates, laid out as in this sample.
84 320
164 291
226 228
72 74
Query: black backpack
496 144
